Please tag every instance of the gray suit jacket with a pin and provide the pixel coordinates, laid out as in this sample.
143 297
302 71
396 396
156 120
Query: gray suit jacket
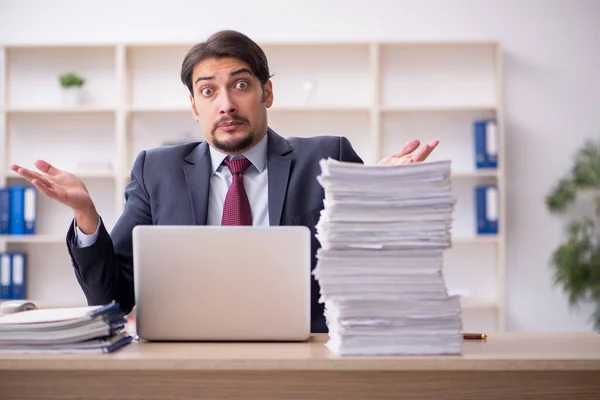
169 186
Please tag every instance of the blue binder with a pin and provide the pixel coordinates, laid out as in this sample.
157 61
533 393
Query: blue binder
5 276
4 211
486 143
30 210
18 275
17 210
486 201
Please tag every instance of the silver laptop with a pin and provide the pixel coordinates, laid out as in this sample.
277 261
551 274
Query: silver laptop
212 283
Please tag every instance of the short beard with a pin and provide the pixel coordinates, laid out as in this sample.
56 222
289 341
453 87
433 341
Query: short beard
236 146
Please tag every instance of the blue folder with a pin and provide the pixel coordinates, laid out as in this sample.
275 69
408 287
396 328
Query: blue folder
17 210
5 276
486 204
4 211
486 143
18 275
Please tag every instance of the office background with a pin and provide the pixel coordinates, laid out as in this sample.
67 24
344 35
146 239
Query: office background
550 97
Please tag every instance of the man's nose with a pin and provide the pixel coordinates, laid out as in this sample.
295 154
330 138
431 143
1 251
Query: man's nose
227 106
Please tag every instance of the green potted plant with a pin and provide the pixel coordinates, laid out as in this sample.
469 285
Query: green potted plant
71 84
576 261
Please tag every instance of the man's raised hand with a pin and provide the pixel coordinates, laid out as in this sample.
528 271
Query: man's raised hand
410 153
65 188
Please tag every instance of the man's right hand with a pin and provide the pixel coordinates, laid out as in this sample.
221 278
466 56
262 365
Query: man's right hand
65 188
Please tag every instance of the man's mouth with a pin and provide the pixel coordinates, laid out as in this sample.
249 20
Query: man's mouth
229 124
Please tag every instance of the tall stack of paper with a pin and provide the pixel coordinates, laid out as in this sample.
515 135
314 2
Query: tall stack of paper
383 232
65 330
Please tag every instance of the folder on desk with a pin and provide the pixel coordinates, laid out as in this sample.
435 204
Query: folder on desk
66 330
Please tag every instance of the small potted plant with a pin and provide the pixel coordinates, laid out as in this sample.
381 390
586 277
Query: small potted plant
71 84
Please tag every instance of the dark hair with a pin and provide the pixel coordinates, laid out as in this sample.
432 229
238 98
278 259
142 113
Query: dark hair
223 44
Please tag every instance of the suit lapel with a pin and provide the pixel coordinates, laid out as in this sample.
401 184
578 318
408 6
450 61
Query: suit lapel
279 163
197 176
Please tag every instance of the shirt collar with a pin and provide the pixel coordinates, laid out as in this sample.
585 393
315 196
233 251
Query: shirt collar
257 156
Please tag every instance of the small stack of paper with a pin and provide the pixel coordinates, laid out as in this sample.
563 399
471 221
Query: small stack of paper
383 232
93 329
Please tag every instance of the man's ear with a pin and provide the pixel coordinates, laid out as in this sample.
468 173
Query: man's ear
268 93
194 111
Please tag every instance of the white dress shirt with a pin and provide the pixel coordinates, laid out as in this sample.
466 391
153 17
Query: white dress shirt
256 183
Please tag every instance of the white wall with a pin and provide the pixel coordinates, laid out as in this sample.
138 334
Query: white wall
552 86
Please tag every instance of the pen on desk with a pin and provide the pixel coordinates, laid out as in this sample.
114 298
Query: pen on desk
474 336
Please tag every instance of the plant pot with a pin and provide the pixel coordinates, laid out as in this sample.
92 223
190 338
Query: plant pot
71 96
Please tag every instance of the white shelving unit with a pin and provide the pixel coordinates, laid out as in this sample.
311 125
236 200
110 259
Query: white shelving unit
378 94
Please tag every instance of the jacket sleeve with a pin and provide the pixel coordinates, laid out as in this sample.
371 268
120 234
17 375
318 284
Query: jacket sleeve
347 152
104 270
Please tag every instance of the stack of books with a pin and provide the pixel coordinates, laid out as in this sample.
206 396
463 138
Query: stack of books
383 232
92 329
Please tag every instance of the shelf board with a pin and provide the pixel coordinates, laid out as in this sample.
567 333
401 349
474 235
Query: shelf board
164 109
59 110
321 108
441 108
471 304
482 239
37 239
284 108
291 108
491 239
80 174
480 173
61 45
142 44
269 43
436 43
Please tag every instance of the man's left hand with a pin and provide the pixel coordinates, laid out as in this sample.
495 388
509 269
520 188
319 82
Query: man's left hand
410 153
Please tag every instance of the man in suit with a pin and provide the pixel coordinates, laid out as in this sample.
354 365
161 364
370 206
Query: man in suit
244 173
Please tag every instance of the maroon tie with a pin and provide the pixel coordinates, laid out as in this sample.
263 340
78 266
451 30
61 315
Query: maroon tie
236 209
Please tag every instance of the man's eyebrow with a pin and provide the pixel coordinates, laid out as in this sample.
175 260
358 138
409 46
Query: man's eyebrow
240 71
233 73
203 78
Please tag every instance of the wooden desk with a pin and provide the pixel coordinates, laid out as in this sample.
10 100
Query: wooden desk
507 366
